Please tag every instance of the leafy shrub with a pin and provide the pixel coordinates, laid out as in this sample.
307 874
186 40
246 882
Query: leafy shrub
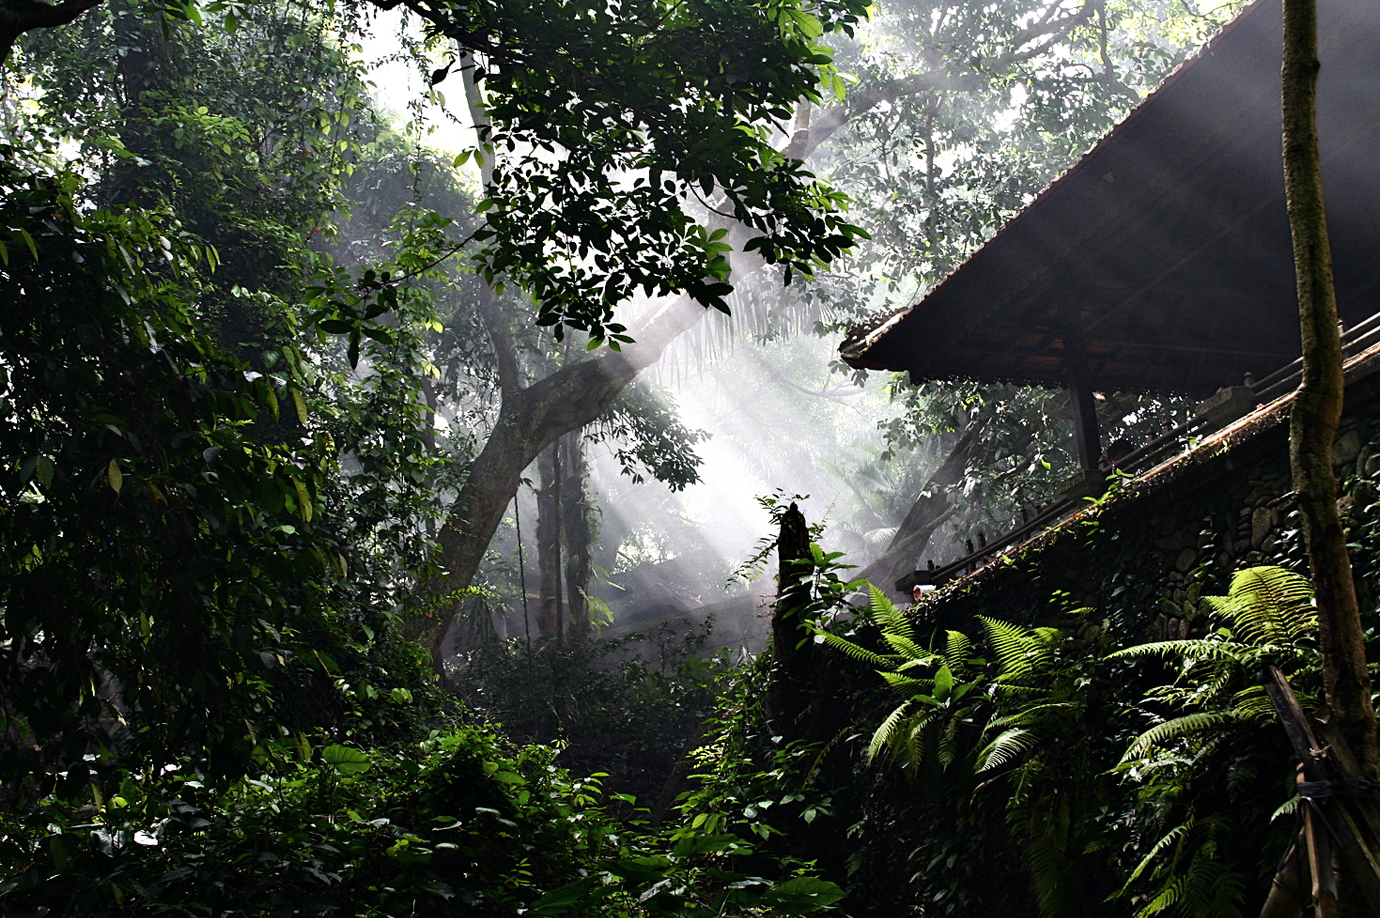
458 824
613 710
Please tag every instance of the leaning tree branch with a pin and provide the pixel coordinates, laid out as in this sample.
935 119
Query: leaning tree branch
20 16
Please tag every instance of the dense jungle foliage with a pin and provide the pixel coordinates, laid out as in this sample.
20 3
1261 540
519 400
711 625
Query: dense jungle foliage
272 371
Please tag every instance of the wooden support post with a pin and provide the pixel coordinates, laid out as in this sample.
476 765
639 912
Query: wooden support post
1085 429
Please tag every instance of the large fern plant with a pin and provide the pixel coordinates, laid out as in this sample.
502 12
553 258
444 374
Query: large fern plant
1266 617
948 690
982 715
1214 701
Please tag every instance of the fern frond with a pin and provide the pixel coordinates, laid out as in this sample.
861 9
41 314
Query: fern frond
1181 648
886 732
1252 704
1047 823
1030 716
908 685
932 659
1171 729
1012 644
881 606
957 648
947 753
904 646
1009 744
1008 689
1169 895
1173 837
1268 605
889 617
862 654
1287 808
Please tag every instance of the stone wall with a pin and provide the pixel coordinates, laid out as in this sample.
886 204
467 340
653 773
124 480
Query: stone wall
1145 553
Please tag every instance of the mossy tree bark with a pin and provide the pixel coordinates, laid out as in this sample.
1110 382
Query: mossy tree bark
1318 407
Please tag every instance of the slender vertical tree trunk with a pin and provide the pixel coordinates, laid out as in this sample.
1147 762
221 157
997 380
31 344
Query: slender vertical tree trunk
550 614
578 535
1318 407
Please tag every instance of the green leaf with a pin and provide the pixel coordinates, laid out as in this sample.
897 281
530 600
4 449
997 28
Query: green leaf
114 476
692 845
43 471
943 683
804 894
303 500
559 901
345 759
29 241
640 869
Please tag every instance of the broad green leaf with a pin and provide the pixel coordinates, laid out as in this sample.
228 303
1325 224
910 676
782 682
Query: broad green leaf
804 894
345 759
943 683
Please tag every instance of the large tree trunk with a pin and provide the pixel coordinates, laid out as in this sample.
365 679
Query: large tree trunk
1318 406
529 421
